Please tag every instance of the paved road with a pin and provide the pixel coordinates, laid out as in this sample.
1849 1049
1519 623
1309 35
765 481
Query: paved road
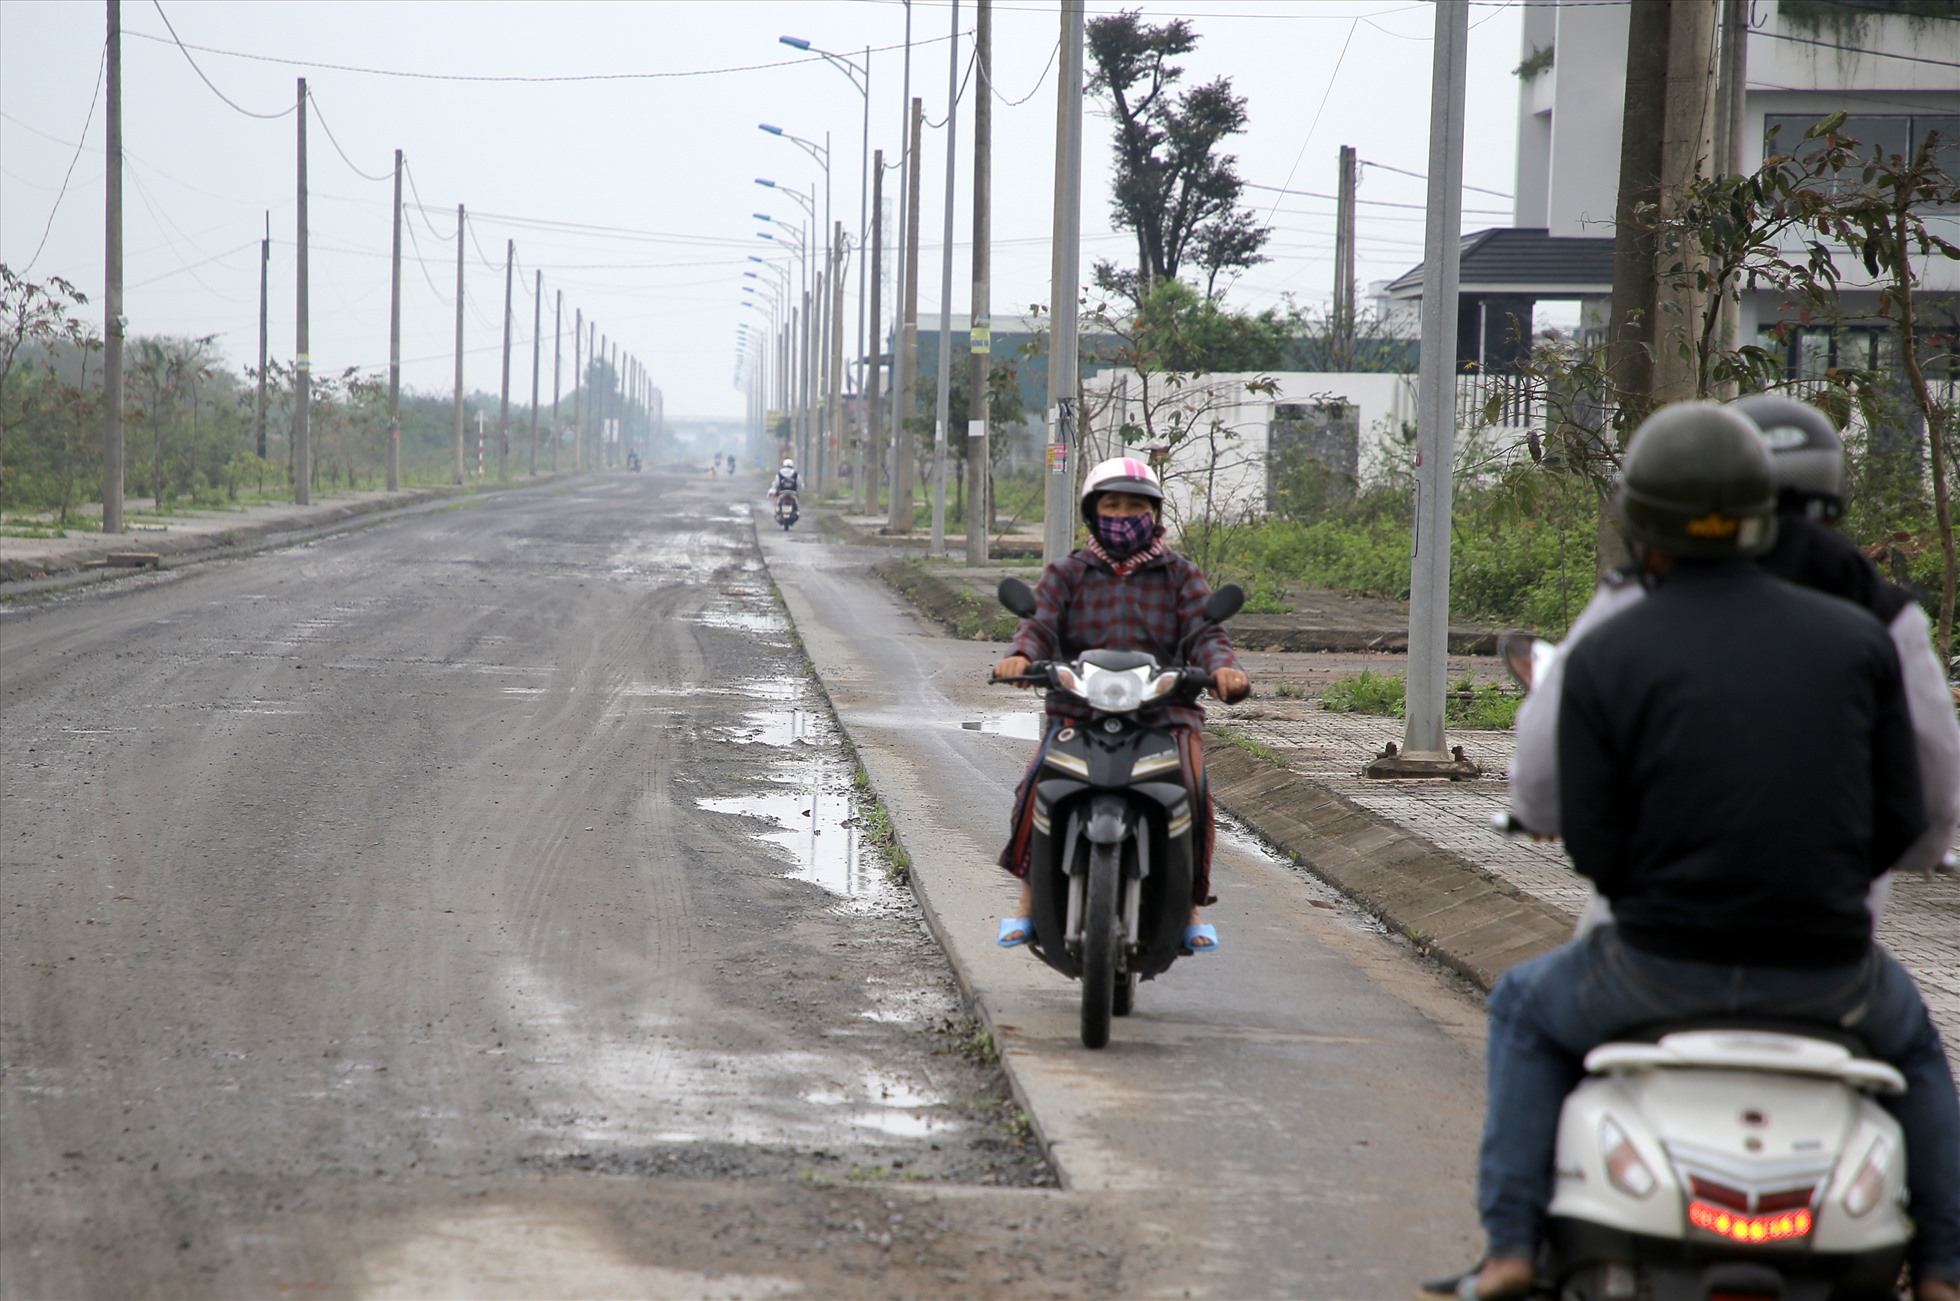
413 912
1297 1112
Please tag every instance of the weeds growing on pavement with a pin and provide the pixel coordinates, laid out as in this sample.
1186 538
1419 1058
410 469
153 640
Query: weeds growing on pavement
1488 708
1258 750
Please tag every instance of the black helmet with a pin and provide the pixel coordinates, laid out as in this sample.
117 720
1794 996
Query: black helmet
1805 454
1697 484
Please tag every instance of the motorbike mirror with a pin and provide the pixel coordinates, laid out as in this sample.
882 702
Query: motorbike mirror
1017 596
1224 603
1524 655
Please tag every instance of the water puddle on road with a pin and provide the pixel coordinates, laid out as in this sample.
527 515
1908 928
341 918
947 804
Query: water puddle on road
1026 727
810 796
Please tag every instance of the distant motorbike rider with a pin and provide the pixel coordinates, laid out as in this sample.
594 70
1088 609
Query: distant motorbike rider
1123 590
1736 765
787 480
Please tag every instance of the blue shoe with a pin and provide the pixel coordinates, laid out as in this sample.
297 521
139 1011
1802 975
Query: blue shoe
1009 926
1201 931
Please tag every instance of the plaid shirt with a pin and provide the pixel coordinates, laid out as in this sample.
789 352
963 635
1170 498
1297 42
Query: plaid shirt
1152 609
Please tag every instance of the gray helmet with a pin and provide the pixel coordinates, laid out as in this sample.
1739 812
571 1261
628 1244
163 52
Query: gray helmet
1697 484
1806 454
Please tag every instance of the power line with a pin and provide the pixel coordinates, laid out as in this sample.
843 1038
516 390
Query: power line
1039 82
1403 171
1375 203
1324 95
475 77
1853 49
206 80
100 68
421 209
322 119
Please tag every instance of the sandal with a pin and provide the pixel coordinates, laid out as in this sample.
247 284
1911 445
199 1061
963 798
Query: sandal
1200 931
1021 928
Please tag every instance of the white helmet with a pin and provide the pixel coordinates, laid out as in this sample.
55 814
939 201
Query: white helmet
1120 474
788 464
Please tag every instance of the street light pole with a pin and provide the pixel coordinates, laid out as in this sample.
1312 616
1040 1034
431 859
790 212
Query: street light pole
1058 532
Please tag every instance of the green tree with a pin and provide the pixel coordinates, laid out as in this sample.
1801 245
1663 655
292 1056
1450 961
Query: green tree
1173 187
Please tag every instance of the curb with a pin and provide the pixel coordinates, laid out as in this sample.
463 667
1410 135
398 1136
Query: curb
1454 912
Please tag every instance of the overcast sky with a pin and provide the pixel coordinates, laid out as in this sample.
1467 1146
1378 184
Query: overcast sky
629 179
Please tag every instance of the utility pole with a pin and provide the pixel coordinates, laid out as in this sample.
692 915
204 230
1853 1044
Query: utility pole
1058 533
942 411
1732 80
265 271
874 460
537 339
1343 322
820 376
835 460
557 347
395 342
112 288
1688 139
980 334
580 459
900 519
907 138
1424 753
1643 124
458 476
503 406
302 361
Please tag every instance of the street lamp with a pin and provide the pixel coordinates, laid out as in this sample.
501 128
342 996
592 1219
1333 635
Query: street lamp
859 75
834 406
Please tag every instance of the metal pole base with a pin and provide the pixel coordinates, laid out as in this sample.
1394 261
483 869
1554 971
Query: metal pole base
1454 766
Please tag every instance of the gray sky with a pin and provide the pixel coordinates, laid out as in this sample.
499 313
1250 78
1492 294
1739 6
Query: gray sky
631 187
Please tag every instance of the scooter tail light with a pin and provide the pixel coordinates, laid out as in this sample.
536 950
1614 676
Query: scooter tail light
1624 1166
1748 1230
1868 1185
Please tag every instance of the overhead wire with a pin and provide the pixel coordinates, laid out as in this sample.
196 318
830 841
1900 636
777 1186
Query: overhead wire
1039 82
320 117
1420 176
87 122
185 50
503 79
1312 126
422 209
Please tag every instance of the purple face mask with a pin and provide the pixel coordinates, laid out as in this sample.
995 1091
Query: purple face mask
1123 535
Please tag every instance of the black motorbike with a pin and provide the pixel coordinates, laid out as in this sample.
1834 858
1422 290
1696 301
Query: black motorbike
786 508
1115 840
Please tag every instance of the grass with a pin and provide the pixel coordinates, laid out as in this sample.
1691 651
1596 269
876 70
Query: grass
1483 709
1258 750
1288 690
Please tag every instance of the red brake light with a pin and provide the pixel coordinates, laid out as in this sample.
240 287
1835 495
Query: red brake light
1749 1229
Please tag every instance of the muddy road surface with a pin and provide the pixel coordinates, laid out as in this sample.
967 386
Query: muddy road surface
478 906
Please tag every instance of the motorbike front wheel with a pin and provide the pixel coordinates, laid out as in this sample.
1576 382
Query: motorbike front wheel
1101 939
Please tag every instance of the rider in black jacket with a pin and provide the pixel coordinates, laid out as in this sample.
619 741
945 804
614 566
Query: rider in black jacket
1736 766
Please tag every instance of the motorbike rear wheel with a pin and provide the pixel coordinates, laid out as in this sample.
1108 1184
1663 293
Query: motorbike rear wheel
1101 937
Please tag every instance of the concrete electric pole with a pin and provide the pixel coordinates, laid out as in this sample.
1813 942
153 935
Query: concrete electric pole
980 337
302 361
1423 751
908 344
1058 534
874 460
395 341
942 408
112 287
457 477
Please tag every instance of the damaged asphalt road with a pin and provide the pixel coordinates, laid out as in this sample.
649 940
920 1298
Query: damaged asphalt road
481 905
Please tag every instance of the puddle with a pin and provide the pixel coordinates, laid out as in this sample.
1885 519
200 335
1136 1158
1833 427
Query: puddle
750 621
818 830
1026 727
779 729
887 1104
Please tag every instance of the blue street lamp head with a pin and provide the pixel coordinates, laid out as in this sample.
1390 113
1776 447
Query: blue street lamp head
751 275
794 42
763 234
762 216
762 181
772 130
763 260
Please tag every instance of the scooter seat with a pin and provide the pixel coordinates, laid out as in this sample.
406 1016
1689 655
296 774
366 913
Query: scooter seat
1746 1049
1850 1041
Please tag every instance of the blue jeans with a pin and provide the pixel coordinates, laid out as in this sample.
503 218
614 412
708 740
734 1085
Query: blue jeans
1547 1013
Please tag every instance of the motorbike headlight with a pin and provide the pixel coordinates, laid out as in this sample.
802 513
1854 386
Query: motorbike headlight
1112 691
1868 1185
1624 1166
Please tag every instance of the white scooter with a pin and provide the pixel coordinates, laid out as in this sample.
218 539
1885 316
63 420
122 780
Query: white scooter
1725 1161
